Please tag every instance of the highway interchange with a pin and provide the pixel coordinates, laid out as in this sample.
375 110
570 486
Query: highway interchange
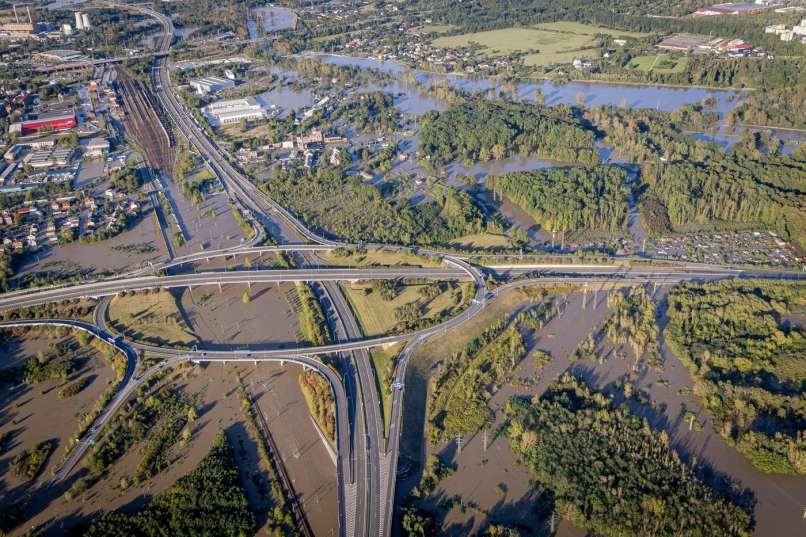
366 462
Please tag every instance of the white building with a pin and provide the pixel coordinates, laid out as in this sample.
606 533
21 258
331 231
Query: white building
800 29
96 147
85 19
67 30
233 111
211 84
79 21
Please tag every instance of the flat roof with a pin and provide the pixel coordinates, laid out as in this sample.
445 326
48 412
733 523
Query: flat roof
63 54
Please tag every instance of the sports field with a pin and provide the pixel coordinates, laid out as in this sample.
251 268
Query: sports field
659 63
557 42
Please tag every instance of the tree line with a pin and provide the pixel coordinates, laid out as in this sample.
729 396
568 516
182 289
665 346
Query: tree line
569 198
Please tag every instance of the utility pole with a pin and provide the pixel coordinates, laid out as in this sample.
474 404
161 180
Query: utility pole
484 439
691 422
459 444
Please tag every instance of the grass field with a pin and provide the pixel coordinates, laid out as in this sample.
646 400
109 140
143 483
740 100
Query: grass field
437 28
150 318
660 63
383 361
558 42
377 316
369 259
585 29
483 240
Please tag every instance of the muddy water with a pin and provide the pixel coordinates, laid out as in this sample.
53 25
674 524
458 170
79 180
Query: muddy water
595 94
488 475
287 99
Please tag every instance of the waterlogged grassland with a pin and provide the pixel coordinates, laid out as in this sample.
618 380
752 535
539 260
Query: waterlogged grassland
460 393
151 317
409 306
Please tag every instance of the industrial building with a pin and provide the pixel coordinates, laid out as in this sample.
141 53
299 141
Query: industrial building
82 21
59 55
55 121
14 27
211 84
732 8
234 111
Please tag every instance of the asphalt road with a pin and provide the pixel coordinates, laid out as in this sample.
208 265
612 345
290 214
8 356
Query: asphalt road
367 503
113 286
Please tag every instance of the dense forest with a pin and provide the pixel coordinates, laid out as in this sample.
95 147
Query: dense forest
688 182
610 472
633 323
208 501
783 107
346 207
745 347
481 130
569 198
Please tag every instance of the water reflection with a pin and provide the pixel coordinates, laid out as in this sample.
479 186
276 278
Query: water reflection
595 94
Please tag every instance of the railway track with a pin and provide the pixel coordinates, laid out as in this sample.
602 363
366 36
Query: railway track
143 123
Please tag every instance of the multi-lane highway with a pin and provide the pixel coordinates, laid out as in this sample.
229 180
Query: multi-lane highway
367 464
136 283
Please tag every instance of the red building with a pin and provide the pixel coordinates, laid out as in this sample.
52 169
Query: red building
56 122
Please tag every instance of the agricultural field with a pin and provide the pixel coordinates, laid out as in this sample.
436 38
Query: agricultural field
545 44
659 63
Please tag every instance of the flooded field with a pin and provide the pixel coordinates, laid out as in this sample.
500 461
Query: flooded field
118 254
222 318
276 391
208 226
498 489
595 94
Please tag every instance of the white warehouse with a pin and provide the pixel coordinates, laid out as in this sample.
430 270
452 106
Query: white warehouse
211 84
234 111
